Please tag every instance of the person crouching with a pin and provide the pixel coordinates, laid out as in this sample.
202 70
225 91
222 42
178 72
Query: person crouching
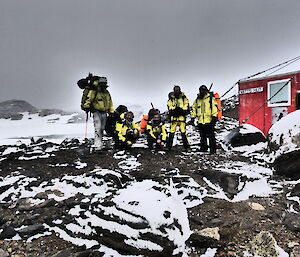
127 132
156 133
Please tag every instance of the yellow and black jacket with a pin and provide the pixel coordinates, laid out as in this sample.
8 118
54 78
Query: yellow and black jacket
122 129
204 109
178 107
99 100
157 132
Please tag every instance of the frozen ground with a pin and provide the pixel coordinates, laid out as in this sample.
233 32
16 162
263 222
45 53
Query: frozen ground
137 202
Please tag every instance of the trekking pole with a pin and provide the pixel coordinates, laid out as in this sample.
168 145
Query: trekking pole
86 125
210 86
152 105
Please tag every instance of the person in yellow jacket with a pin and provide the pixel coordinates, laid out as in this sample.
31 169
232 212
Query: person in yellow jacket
127 132
99 102
178 108
205 110
156 132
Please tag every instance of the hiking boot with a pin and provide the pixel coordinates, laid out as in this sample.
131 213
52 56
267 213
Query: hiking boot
212 151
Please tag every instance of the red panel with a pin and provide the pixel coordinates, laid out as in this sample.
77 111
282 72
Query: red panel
251 102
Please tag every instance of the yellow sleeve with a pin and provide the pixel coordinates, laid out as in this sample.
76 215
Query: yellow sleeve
185 104
170 105
111 106
214 111
90 98
119 128
150 131
135 126
194 109
164 133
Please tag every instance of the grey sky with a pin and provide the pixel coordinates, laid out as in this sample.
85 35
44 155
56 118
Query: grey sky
143 47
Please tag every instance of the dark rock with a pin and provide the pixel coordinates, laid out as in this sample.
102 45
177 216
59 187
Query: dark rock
296 190
238 138
8 232
292 221
89 253
288 164
31 230
63 253
199 241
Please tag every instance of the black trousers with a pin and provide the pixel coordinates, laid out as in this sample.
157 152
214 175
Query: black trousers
207 131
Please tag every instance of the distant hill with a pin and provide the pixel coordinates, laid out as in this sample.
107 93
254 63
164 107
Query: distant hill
13 109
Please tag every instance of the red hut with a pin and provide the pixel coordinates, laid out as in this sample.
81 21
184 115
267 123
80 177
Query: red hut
263 101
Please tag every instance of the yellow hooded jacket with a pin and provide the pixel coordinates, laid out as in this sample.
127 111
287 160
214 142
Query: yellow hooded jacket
202 109
100 101
181 102
121 129
154 132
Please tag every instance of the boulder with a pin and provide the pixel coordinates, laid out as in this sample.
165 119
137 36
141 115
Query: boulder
245 134
284 145
7 232
263 244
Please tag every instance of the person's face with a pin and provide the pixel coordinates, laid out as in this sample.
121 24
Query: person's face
129 117
177 91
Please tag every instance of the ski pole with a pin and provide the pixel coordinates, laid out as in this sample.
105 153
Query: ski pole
86 124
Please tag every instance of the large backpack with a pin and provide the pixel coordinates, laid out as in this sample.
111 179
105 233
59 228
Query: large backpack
86 84
219 107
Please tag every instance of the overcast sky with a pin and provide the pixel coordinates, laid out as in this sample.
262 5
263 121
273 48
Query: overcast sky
143 47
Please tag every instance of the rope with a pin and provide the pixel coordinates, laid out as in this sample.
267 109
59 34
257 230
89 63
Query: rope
286 63
283 66
245 120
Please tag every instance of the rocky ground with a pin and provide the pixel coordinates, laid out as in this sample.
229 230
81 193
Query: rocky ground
35 216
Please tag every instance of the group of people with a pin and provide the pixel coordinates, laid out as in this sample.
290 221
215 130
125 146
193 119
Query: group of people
120 125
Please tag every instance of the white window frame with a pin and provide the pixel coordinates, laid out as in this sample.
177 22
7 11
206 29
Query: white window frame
289 93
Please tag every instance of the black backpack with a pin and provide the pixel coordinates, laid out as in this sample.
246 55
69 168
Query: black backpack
86 84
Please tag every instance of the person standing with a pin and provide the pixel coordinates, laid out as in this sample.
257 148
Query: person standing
205 110
178 108
99 102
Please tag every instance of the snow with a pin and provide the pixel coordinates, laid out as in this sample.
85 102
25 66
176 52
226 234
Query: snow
248 128
210 252
54 127
286 134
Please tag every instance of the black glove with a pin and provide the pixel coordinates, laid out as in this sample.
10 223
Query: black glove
214 120
177 112
87 109
171 112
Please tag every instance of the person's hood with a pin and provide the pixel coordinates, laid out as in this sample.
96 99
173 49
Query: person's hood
172 96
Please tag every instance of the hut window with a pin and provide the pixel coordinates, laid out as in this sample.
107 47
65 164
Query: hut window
280 93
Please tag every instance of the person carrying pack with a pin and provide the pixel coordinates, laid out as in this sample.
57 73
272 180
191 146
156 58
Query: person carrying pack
97 100
156 133
178 108
127 132
205 110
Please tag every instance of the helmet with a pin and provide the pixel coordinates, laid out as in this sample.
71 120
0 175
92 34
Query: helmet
203 87
103 80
